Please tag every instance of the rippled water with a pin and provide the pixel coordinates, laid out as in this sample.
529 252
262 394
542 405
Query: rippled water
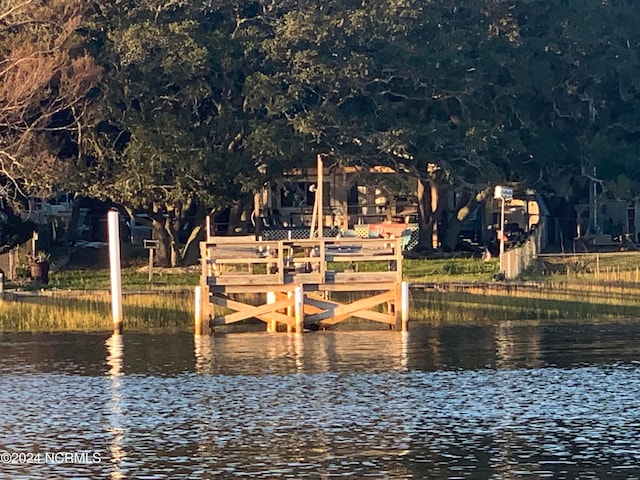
509 401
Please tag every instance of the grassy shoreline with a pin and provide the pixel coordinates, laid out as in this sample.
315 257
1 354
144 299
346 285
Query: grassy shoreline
444 291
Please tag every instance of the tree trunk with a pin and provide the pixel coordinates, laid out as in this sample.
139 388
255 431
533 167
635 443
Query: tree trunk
431 202
191 251
235 215
159 233
426 218
71 235
450 237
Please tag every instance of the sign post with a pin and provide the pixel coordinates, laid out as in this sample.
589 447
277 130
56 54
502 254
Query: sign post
151 245
504 194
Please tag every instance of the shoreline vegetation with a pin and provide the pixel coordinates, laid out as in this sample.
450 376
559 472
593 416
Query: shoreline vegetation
443 291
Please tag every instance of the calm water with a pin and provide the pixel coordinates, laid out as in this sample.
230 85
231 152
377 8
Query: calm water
508 401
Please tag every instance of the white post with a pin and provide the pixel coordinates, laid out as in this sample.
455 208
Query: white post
298 306
34 239
405 306
319 195
114 263
502 235
151 265
313 216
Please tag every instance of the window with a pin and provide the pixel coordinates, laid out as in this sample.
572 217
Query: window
302 194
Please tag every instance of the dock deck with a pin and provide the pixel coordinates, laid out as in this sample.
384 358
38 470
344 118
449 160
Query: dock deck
312 268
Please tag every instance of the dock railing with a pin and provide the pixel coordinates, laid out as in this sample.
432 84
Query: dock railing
314 261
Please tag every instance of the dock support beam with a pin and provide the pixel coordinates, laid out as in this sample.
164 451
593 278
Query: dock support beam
298 307
272 325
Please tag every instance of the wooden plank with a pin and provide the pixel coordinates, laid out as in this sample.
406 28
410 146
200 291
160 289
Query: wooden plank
357 286
359 258
311 309
321 303
365 314
244 311
257 310
251 288
358 277
303 278
349 309
246 279
241 260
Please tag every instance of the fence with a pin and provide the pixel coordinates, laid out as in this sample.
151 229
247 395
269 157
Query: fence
517 260
17 256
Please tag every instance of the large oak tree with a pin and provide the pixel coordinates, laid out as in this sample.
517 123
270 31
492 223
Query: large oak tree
45 81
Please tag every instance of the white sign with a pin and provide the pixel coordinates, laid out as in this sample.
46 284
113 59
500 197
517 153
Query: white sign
505 193
151 243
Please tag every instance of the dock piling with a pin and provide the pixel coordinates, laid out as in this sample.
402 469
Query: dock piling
298 306
113 220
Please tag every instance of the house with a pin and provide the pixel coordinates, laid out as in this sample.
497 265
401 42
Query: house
353 199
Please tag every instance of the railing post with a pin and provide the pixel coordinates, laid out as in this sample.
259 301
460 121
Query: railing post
323 264
281 262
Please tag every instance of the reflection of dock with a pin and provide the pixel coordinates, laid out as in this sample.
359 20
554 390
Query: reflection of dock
296 278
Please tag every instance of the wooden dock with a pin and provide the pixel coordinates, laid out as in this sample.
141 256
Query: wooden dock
295 280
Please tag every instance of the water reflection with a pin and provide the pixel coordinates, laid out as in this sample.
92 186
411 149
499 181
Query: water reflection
115 359
513 348
203 350
511 400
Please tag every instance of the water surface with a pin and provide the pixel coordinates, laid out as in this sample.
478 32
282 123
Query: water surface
505 401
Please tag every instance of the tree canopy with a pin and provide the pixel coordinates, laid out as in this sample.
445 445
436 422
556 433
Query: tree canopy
46 79
200 104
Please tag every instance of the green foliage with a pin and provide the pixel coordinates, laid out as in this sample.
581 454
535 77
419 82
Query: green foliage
450 270
13 230
202 103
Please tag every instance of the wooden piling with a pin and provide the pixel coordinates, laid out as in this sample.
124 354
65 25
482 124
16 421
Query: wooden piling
198 316
404 309
272 325
113 220
298 307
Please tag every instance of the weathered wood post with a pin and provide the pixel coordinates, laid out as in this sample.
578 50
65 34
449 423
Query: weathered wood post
151 245
298 307
290 312
204 305
113 220
272 325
